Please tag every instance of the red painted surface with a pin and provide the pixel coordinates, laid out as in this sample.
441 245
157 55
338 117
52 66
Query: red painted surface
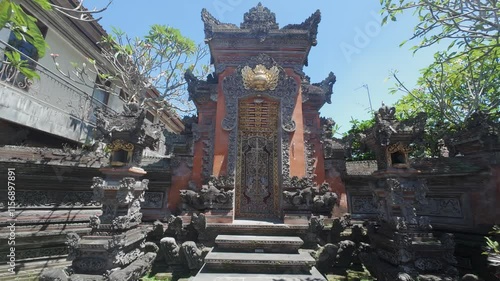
297 149
221 136
180 180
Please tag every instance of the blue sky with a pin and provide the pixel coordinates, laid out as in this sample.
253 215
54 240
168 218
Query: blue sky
351 42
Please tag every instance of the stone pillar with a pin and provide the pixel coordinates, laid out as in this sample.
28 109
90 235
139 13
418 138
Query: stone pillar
116 249
404 248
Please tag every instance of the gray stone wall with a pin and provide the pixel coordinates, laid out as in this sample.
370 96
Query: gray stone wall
53 198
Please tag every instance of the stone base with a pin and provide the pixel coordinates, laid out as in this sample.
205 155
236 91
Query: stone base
263 244
219 216
385 271
312 275
255 262
34 268
85 277
135 270
123 171
296 219
132 272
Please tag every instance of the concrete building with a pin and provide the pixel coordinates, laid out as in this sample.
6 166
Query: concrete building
53 109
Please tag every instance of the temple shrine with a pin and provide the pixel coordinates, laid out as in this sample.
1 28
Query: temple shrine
258 138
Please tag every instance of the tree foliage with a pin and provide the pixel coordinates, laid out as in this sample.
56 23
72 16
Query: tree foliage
156 61
467 25
356 150
462 80
24 27
450 92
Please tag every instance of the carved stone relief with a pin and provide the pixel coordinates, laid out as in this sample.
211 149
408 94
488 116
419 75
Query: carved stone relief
51 198
211 196
309 152
257 178
307 196
208 153
152 200
363 205
234 90
442 207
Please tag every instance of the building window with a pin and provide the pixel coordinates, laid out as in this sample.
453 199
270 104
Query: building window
28 54
26 48
150 116
100 97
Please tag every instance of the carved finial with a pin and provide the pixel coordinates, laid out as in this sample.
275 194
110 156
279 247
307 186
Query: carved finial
207 18
211 23
259 20
327 86
387 113
311 24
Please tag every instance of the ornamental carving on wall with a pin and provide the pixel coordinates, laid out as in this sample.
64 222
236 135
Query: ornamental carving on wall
285 91
260 78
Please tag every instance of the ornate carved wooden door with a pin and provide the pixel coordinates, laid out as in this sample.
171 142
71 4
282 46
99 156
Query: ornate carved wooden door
257 186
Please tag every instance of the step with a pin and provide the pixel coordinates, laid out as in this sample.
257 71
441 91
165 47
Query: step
258 244
259 262
242 227
87 277
312 275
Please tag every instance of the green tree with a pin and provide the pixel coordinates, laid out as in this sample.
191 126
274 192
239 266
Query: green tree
157 61
462 80
466 25
24 27
450 91
356 150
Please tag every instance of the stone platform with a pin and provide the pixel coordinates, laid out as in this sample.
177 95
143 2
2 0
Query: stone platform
257 262
244 227
265 244
313 275
257 257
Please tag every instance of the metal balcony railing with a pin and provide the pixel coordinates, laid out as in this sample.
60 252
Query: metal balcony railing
51 89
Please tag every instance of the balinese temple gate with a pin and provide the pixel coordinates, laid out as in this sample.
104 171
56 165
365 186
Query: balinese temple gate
256 149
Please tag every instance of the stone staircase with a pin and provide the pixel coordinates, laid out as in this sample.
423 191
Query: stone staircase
258 258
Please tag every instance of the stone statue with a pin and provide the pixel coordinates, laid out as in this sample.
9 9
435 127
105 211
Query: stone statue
313 235
325 257
171 250
193 255
339 256
345 254
192 199
212 195
174 226
309 197
54 274
199 222
338 226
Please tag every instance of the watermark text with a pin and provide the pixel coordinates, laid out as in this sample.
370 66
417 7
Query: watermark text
11 209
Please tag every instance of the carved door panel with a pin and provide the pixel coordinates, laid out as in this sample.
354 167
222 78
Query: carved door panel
257 190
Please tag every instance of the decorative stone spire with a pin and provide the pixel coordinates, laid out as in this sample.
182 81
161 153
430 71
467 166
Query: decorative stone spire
116 248
390 139
211 23
258 16
310 24
260 20
401 236
127 134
